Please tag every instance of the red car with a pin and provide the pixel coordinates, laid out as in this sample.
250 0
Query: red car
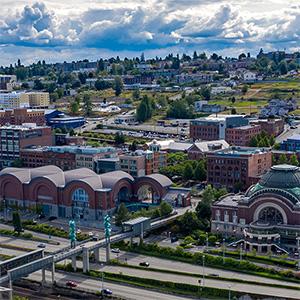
71 283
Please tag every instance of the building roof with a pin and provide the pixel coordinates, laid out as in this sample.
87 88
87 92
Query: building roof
280 179
177 146
111 178
281 176
210 145
163 180
241 151
136 221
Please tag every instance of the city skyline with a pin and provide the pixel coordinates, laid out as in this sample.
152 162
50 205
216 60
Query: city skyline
57 31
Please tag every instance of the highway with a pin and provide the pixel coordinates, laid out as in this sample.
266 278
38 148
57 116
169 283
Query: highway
159 263
123 291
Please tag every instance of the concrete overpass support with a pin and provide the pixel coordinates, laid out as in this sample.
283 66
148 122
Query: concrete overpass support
97 255
43 276
74 263
85 260
53 273
107 251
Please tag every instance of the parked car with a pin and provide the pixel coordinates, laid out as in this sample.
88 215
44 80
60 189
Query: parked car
106 292
52 218
71 283
41 245
41 216
144 264
91 234
214 275
115 250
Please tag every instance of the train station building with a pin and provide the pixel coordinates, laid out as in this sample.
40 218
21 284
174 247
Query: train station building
81 193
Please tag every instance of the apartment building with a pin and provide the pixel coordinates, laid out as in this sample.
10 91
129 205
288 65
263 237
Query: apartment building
241 136
214 127
7 82
237 167
19 116
38 99
15 137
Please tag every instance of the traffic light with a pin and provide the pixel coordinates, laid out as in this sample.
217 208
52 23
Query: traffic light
107 226
72 231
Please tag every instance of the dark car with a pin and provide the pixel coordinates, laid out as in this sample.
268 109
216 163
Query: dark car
41 216
52 218
174 239
106 292
71 283
144 264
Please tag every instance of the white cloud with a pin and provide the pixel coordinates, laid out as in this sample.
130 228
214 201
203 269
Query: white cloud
143 25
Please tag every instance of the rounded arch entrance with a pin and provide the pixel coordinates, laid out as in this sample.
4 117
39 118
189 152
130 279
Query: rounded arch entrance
11 190
151 188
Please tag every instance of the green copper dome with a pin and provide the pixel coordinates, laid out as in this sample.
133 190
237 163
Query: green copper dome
280 179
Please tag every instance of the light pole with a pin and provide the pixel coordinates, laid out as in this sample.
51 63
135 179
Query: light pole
203 271
223 251
229 292
206 240
241 252
102 277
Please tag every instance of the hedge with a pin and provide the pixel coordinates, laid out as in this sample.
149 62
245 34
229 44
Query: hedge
210 260
259 258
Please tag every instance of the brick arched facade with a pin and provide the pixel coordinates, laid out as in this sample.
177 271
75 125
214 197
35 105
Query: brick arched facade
10 187
156 187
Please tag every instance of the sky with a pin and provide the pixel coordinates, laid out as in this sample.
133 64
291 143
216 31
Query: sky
66 30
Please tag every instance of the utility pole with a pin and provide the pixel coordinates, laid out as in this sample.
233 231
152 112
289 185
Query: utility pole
203 271
223 251
241 252
206 240
229 292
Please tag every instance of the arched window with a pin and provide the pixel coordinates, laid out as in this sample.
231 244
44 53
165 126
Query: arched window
80 195
270 215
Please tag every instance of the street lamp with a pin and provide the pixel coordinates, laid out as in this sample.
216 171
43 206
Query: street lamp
102 276
203 271
229 292
206 240
241 252
223 251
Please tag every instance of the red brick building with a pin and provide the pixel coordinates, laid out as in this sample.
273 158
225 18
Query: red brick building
81 193
236 168
272 127
267 217
14 137
241 136
19 116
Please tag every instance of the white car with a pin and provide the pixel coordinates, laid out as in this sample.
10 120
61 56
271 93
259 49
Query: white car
115 250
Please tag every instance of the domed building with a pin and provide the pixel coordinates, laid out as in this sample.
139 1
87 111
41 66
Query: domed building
267 217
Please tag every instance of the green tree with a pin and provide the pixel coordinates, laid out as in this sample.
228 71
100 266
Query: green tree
200 172
208 194
294 160
179 110
17 222
145 109
203 210
282 67
245 89
17 163
165 208
87 105
188 172
118 85
74 108
136 94
205 92
119 138
122 214
282 159
188 222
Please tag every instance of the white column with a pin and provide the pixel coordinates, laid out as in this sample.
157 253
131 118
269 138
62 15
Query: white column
97 254
53 273
43 276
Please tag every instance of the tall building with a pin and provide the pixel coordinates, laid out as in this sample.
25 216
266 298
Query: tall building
13 100
236 168
292 143
214 127
15 137
38 99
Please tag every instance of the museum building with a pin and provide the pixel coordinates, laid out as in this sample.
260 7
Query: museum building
81 193
267 217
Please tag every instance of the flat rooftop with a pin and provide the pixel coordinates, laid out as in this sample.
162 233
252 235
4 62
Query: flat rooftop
136 221
24 127
239 151
229 200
